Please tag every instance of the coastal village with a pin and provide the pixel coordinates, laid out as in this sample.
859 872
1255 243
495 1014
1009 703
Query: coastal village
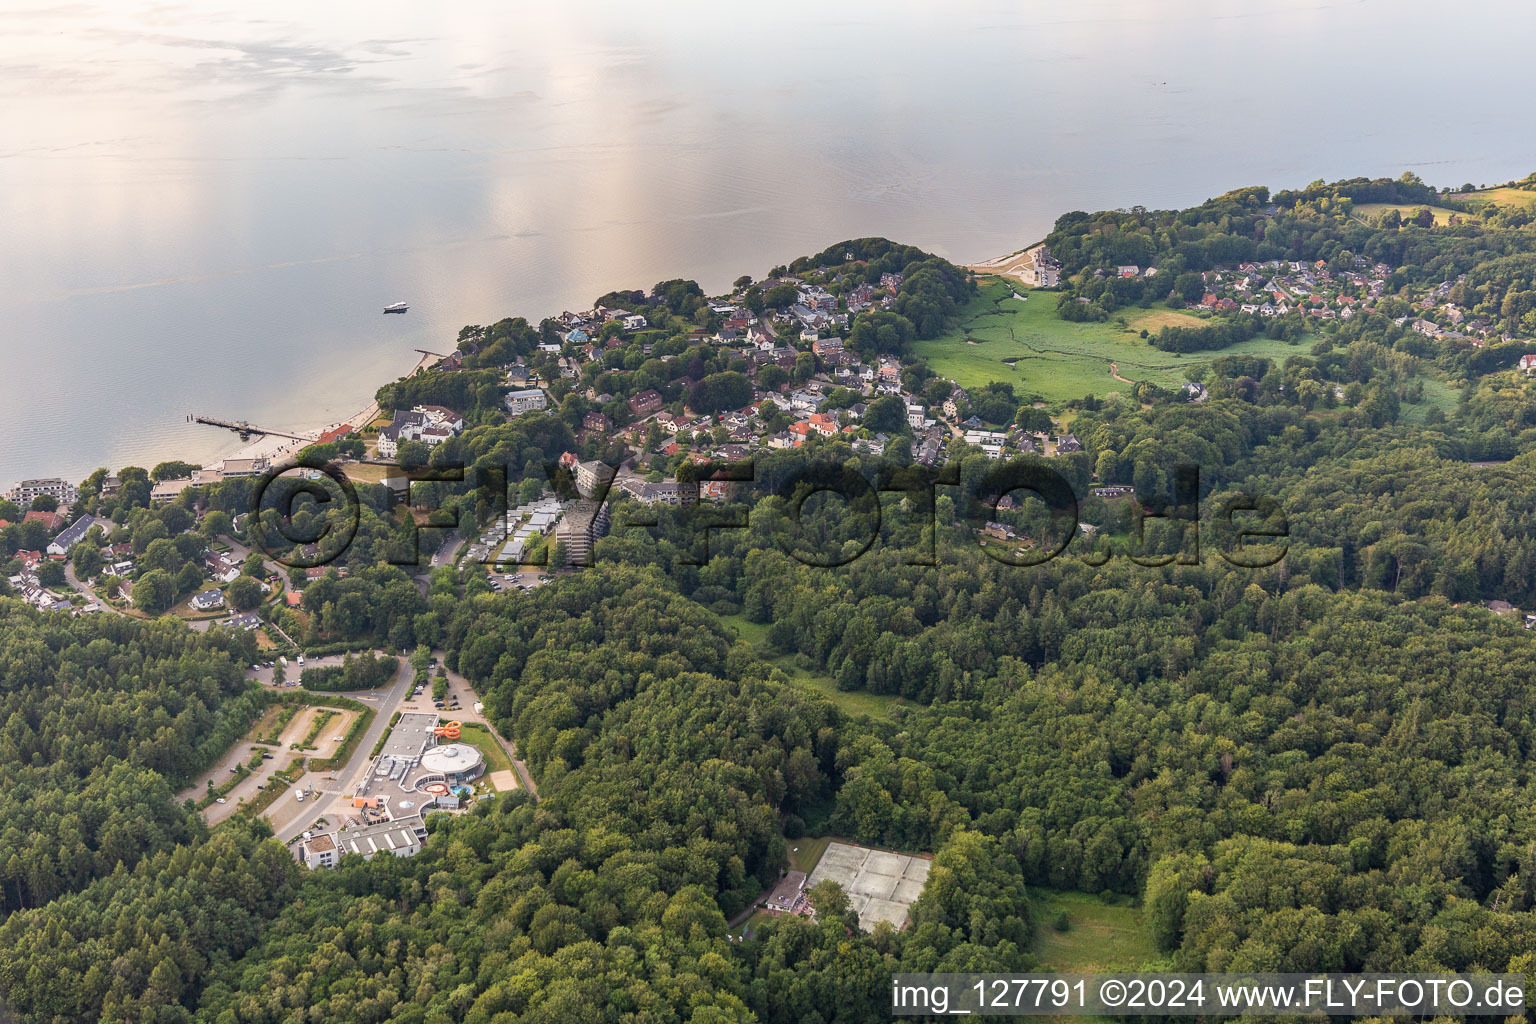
806 383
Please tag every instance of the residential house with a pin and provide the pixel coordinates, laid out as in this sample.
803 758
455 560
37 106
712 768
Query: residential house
827 346
60 545
51 520
951 405
207 600
646 402
823 424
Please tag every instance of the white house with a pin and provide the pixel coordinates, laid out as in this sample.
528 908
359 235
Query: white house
68 538
529 400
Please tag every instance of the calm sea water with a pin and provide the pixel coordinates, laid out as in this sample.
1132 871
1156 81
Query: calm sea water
204 206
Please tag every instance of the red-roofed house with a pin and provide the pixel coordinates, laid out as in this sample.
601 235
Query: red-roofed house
823 424
51 520
335 434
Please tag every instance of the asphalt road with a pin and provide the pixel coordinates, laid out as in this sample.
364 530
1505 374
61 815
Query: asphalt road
80 588
334 790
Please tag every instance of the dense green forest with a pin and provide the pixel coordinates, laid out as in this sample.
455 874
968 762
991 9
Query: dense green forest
1322 764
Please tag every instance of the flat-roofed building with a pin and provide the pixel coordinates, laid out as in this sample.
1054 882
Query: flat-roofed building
593 477
402 838
526 400
319 851
55 487
409 737
583 524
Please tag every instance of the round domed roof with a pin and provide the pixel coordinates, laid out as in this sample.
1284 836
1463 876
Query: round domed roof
448 758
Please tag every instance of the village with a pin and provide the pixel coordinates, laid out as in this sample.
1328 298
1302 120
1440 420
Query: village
805 383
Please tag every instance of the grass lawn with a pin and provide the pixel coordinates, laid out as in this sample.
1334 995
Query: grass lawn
479 737
1437 395
1154 320
365 472
1099 937
752 923
805 852
1026 344
854 702
1368 212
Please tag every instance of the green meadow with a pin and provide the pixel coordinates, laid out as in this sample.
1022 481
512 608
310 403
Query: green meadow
1022 341
1369 212
1100 936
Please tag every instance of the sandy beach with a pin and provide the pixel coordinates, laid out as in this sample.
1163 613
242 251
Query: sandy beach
1009 266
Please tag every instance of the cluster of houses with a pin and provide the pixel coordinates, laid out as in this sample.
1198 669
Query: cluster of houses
429 424
27 582
117 560
812 323
1281 287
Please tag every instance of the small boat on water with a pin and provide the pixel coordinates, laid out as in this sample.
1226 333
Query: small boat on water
398 307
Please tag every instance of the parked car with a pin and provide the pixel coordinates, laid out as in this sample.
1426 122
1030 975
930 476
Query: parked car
220 800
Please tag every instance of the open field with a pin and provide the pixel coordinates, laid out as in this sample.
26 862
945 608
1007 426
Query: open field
853 702
1437 395
1099 937
1500 197
1368 212
365 472
1027 345
1154 320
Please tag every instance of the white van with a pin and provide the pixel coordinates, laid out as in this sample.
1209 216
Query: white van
299 796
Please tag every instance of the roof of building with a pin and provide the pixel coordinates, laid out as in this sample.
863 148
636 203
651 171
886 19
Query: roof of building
449 758
383 838
410 735
76 532
322 843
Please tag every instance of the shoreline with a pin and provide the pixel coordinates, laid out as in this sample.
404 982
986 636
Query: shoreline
274 448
